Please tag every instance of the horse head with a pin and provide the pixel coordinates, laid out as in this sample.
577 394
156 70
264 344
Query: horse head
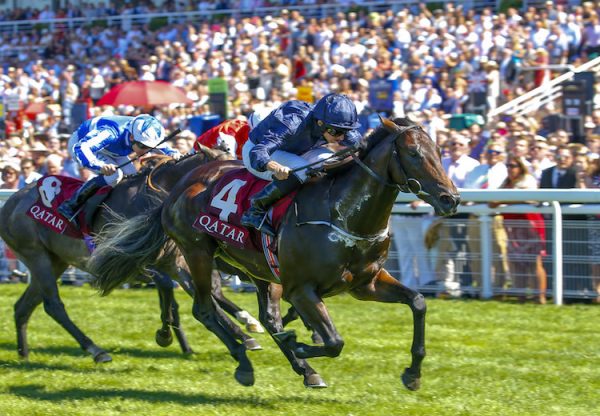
415 166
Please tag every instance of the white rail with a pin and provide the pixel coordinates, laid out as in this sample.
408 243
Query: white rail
543 94
548 201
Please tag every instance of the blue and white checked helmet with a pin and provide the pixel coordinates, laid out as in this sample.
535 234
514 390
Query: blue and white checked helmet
147 130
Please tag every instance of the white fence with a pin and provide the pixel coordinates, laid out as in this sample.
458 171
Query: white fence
553 203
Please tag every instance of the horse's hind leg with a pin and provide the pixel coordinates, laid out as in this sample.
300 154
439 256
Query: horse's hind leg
24 307
385 288
199 260
44 274
234 310
269 297
242 316
169 314
184 279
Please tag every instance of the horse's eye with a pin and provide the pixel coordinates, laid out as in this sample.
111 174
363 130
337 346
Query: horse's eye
413 153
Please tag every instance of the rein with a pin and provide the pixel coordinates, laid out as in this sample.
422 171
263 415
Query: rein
149 182
411 185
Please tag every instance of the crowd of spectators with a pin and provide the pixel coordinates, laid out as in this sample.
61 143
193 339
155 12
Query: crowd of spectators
437 59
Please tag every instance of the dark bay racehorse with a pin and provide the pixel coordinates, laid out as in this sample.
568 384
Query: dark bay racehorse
47 254
338 244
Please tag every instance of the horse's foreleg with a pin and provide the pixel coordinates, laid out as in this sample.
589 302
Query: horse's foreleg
269 297
169 314
24 307
385 288
292 315
204 310
314 314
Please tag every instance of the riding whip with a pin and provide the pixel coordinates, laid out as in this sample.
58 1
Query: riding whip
340 153
166 139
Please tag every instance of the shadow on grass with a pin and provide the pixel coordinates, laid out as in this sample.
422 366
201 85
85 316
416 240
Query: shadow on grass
28 365
38 392
170 352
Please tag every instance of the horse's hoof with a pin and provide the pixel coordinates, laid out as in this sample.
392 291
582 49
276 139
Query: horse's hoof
102 357
254 327
411 381
245 378
252 345
314 381
187 351
164 338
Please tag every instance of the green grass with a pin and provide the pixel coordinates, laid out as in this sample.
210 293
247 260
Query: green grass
484 358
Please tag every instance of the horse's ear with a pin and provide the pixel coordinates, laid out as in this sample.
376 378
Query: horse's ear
389 124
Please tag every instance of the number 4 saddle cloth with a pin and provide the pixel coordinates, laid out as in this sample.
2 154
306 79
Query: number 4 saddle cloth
229 200
54 190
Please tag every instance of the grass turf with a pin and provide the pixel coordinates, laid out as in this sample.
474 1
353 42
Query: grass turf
484 358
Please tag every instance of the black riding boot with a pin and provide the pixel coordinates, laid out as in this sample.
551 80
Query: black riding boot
261 202
69 208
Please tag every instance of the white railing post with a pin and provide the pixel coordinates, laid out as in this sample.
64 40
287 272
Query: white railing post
485 235
557 254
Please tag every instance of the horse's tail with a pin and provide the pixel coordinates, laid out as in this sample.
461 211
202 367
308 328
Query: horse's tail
127 249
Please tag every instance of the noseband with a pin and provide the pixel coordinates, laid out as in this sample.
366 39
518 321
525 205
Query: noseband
411 184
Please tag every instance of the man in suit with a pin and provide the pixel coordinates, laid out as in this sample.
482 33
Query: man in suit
563 176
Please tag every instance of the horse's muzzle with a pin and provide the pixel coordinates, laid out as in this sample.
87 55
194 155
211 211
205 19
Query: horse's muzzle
447 204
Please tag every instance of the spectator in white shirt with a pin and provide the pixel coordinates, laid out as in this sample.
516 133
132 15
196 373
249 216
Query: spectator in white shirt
458 164
489 175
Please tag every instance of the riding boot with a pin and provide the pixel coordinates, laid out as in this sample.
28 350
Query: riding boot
260 202
69 208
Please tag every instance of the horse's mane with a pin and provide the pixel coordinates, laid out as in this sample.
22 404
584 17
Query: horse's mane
381 132
157 160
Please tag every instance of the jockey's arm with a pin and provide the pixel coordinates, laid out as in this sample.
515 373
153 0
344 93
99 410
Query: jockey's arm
273 139
85 150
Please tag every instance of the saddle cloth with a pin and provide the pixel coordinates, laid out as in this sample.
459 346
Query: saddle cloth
230 198
53 191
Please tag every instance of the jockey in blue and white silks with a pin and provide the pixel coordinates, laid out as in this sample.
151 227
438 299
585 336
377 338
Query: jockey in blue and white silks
101 144
293 135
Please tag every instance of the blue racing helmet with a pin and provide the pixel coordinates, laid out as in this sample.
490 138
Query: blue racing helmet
336 110
147 130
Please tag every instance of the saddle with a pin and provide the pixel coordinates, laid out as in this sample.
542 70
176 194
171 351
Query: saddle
229 199
55 189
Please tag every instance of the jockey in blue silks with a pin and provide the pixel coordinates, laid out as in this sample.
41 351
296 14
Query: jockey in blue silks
293 135
101 144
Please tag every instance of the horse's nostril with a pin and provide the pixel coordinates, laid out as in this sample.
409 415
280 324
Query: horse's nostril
449 201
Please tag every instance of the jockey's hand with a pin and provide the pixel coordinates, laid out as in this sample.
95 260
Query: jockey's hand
176 155
279 171
108 169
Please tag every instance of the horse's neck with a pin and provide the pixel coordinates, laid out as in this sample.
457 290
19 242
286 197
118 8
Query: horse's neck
360 202
165 177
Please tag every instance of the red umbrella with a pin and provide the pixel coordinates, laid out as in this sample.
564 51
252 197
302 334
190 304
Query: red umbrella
144 94
35 108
